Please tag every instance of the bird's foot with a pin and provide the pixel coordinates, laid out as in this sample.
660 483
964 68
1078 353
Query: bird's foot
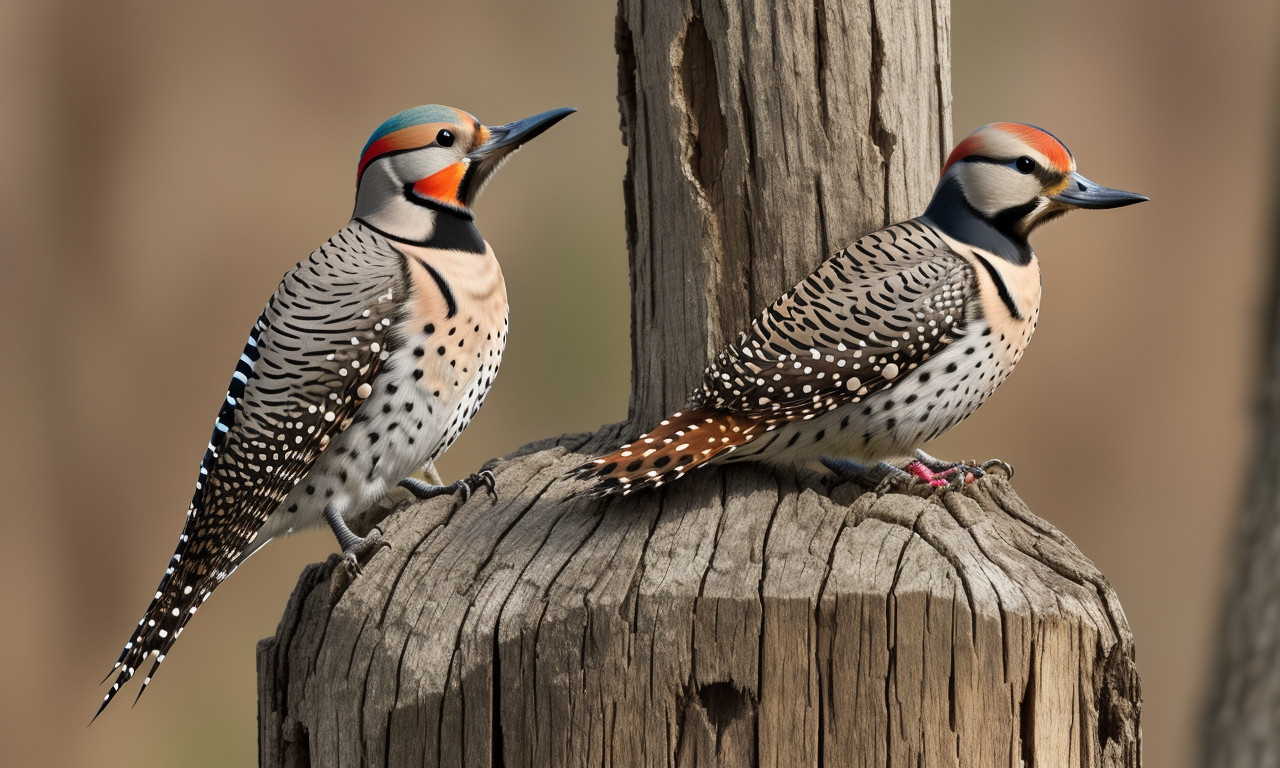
356 554
936 478
360 551
969 471
923 470
464 488
482 479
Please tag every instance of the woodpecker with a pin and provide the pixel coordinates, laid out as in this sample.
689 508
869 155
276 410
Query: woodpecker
889 342
369 360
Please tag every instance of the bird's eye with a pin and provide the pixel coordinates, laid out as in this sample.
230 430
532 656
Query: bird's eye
445 138
1025 164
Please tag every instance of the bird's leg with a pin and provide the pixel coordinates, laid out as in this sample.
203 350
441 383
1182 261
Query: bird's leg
852 470
884 476
464 487
880 477
354 548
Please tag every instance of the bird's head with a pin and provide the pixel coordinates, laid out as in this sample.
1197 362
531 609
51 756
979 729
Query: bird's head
434 160
1016 177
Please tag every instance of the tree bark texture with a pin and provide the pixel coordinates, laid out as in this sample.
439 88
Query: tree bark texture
738 617
1242 724
761 137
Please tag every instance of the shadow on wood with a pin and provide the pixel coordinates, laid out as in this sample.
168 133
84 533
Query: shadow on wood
782 624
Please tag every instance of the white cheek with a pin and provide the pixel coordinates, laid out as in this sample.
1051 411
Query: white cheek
992 188
421 163
381 203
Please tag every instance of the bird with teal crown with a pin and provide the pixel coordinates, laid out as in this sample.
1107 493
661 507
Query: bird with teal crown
369 360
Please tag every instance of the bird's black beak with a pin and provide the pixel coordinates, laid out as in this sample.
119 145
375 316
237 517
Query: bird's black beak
502 142
1082 193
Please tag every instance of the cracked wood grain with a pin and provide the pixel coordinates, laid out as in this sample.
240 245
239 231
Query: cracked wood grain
761 138
738 618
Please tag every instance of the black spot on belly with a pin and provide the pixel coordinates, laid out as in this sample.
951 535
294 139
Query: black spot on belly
607 468
633 466
417 374
662 461
793 439
821 434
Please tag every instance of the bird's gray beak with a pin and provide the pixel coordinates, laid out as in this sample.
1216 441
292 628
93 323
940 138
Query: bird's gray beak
503 141
1082 193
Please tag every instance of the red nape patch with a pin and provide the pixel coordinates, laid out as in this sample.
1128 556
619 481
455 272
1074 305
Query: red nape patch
1041 141
443 184
962 150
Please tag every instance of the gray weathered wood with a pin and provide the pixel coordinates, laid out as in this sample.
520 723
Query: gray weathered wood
761 137
737 618
777 624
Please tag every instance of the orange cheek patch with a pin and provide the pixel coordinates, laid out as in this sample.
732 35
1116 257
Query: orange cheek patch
443 184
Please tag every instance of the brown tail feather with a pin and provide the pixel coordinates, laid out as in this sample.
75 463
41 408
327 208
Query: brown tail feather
684 440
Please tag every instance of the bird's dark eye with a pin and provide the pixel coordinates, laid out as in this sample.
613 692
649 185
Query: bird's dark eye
445 138
1025 164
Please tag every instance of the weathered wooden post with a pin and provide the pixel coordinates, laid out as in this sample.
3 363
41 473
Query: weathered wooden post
737 618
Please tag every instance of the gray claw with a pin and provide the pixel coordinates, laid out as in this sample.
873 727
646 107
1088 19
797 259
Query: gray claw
1004 465
482 479
362 550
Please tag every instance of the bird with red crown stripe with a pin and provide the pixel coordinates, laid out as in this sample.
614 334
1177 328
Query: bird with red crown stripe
369 360
889 342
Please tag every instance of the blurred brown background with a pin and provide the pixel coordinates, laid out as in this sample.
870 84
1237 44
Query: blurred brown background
162 164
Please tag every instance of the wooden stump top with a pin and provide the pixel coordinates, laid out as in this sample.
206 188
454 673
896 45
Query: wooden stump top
777 623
